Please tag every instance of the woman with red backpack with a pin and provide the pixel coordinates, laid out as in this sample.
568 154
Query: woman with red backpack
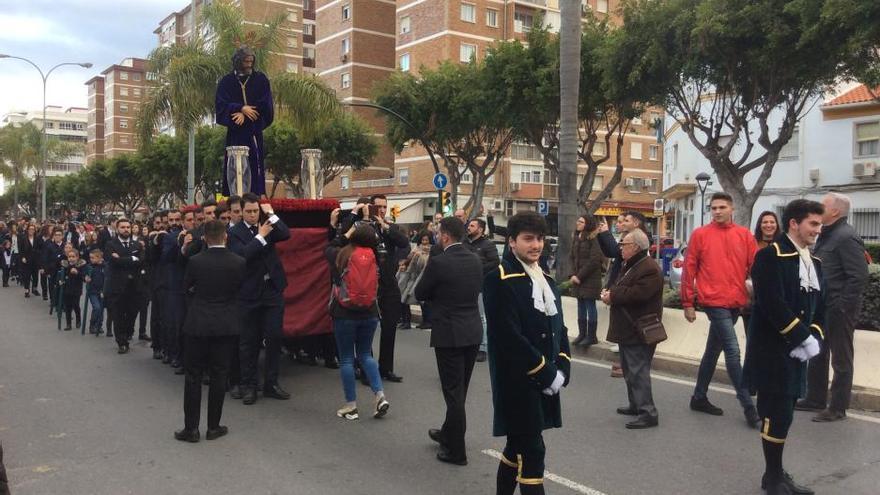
355 314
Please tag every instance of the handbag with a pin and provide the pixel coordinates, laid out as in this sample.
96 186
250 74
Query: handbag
649 328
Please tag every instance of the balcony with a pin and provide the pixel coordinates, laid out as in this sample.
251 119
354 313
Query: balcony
367 184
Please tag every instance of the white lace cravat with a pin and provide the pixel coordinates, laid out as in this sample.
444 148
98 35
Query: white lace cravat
542 294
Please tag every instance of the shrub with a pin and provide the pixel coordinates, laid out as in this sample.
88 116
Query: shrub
874 250
869 317
671 298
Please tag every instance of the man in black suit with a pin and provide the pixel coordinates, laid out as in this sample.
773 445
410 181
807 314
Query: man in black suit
261 295
212 280
451 283
123 289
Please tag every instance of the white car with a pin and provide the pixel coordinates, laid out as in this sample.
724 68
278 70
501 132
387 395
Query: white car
676 267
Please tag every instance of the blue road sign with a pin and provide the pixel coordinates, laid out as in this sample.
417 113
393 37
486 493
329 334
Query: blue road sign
543 208
440 180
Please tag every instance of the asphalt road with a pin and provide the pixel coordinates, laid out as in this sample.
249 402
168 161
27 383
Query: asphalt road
76 418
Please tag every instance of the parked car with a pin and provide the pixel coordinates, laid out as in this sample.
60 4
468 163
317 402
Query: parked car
676 267
666 242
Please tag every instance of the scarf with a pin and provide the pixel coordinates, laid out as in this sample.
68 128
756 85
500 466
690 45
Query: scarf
542 294
809 277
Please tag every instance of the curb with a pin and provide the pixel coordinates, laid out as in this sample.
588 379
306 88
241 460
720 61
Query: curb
864 399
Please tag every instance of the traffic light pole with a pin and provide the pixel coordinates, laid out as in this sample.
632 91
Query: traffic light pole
440 201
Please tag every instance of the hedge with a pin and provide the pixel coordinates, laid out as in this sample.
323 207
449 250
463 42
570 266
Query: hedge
874 251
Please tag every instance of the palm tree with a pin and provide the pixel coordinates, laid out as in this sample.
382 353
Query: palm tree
569 89
182 92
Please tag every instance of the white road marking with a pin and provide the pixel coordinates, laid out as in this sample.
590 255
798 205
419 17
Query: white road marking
573 485
723 390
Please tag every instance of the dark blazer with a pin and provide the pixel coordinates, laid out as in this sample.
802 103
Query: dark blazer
212 281
30 250
846 274
261 260
783 316
526 348
53 255
638 291
125 271
451 283
486 251
104 236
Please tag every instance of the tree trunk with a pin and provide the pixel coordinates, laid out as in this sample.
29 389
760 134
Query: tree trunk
569 85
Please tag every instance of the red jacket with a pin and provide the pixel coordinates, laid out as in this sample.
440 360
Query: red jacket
718 259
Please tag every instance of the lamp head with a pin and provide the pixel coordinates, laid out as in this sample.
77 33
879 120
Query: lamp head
702 179
86 65
3 55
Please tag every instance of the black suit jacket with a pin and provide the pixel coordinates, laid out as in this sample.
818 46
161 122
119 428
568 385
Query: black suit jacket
261 260
125 270
451 283
212 281
30 251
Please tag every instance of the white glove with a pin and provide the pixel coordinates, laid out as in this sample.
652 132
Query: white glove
554 387
799 353
811 347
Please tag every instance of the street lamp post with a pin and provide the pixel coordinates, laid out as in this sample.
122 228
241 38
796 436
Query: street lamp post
703 182
44 142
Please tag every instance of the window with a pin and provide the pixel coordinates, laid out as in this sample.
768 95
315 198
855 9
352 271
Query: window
523 151
291 42
123 123
526 174
291 16
602 6
309 29
307 5
791 149
492 18
598 182
466 52
346 46
522 23
405 24
635 151
404 62
137 91
292 67
136 76
123 139
123 108
123 91
468 12
599 148
344 183
403 176
867 139
345 80
123 76
346 12
653 152
866 221
675 156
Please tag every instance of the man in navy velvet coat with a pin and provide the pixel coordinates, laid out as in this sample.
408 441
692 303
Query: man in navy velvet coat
244 106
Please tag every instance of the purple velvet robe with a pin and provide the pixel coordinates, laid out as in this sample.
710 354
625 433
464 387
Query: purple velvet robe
232 94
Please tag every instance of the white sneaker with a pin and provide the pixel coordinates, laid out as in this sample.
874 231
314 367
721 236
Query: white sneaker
382 407
349 413
615 348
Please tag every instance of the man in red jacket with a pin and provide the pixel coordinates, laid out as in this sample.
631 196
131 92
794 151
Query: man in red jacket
717 265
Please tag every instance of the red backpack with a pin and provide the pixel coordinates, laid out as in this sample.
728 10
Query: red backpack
359 281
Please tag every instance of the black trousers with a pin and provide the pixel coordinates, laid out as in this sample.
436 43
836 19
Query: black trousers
71 306
635 360
143 312
210 355
123 309
455 365
5 270
389 314
172 320
526 453
262 320
44 283
777 414
838 350
156 296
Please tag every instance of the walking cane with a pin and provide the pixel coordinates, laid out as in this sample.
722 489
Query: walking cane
85 310
58 301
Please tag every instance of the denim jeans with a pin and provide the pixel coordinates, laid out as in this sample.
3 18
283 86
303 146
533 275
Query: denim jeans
355 337
722 337
587 309
96 321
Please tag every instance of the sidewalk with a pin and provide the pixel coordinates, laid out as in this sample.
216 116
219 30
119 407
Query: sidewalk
680 354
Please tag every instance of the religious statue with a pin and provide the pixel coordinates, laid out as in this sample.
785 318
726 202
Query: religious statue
244 106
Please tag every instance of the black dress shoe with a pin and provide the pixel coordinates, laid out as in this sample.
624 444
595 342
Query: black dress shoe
176 363
185 435
157 354
36 293
216 433
166 359
808 405
235 392
122 349
752 417
628 411
481 356
331 363
179 371
704 406
144 337
436 435
445 456
642 423
275 392
784 484
391 377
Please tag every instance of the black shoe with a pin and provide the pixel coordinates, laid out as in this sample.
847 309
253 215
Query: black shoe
642 423
216 433
166 359
179 371
405 326
331 363
99 332
628 411
785 484
436 435
445 456
275 392
67 328
122 349
808 405
391 377
109 334
828 416
249 397
752 417
176 363
481 356
27 295
704 406
580 338
36 293
191 436
424 326
235 392
206 380
158 354
144 337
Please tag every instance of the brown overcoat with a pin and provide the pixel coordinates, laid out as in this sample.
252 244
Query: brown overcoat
587 261
639 291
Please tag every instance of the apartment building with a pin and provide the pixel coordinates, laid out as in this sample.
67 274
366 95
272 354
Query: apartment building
95 123
66 124
124 91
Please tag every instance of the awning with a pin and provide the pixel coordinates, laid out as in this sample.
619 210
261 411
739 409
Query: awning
679 191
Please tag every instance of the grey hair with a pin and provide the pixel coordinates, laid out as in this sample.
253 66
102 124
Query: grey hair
841 202
639 238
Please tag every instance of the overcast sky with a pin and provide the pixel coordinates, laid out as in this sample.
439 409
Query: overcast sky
49 32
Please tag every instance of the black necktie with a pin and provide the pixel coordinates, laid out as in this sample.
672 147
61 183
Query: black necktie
254 230
125 244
